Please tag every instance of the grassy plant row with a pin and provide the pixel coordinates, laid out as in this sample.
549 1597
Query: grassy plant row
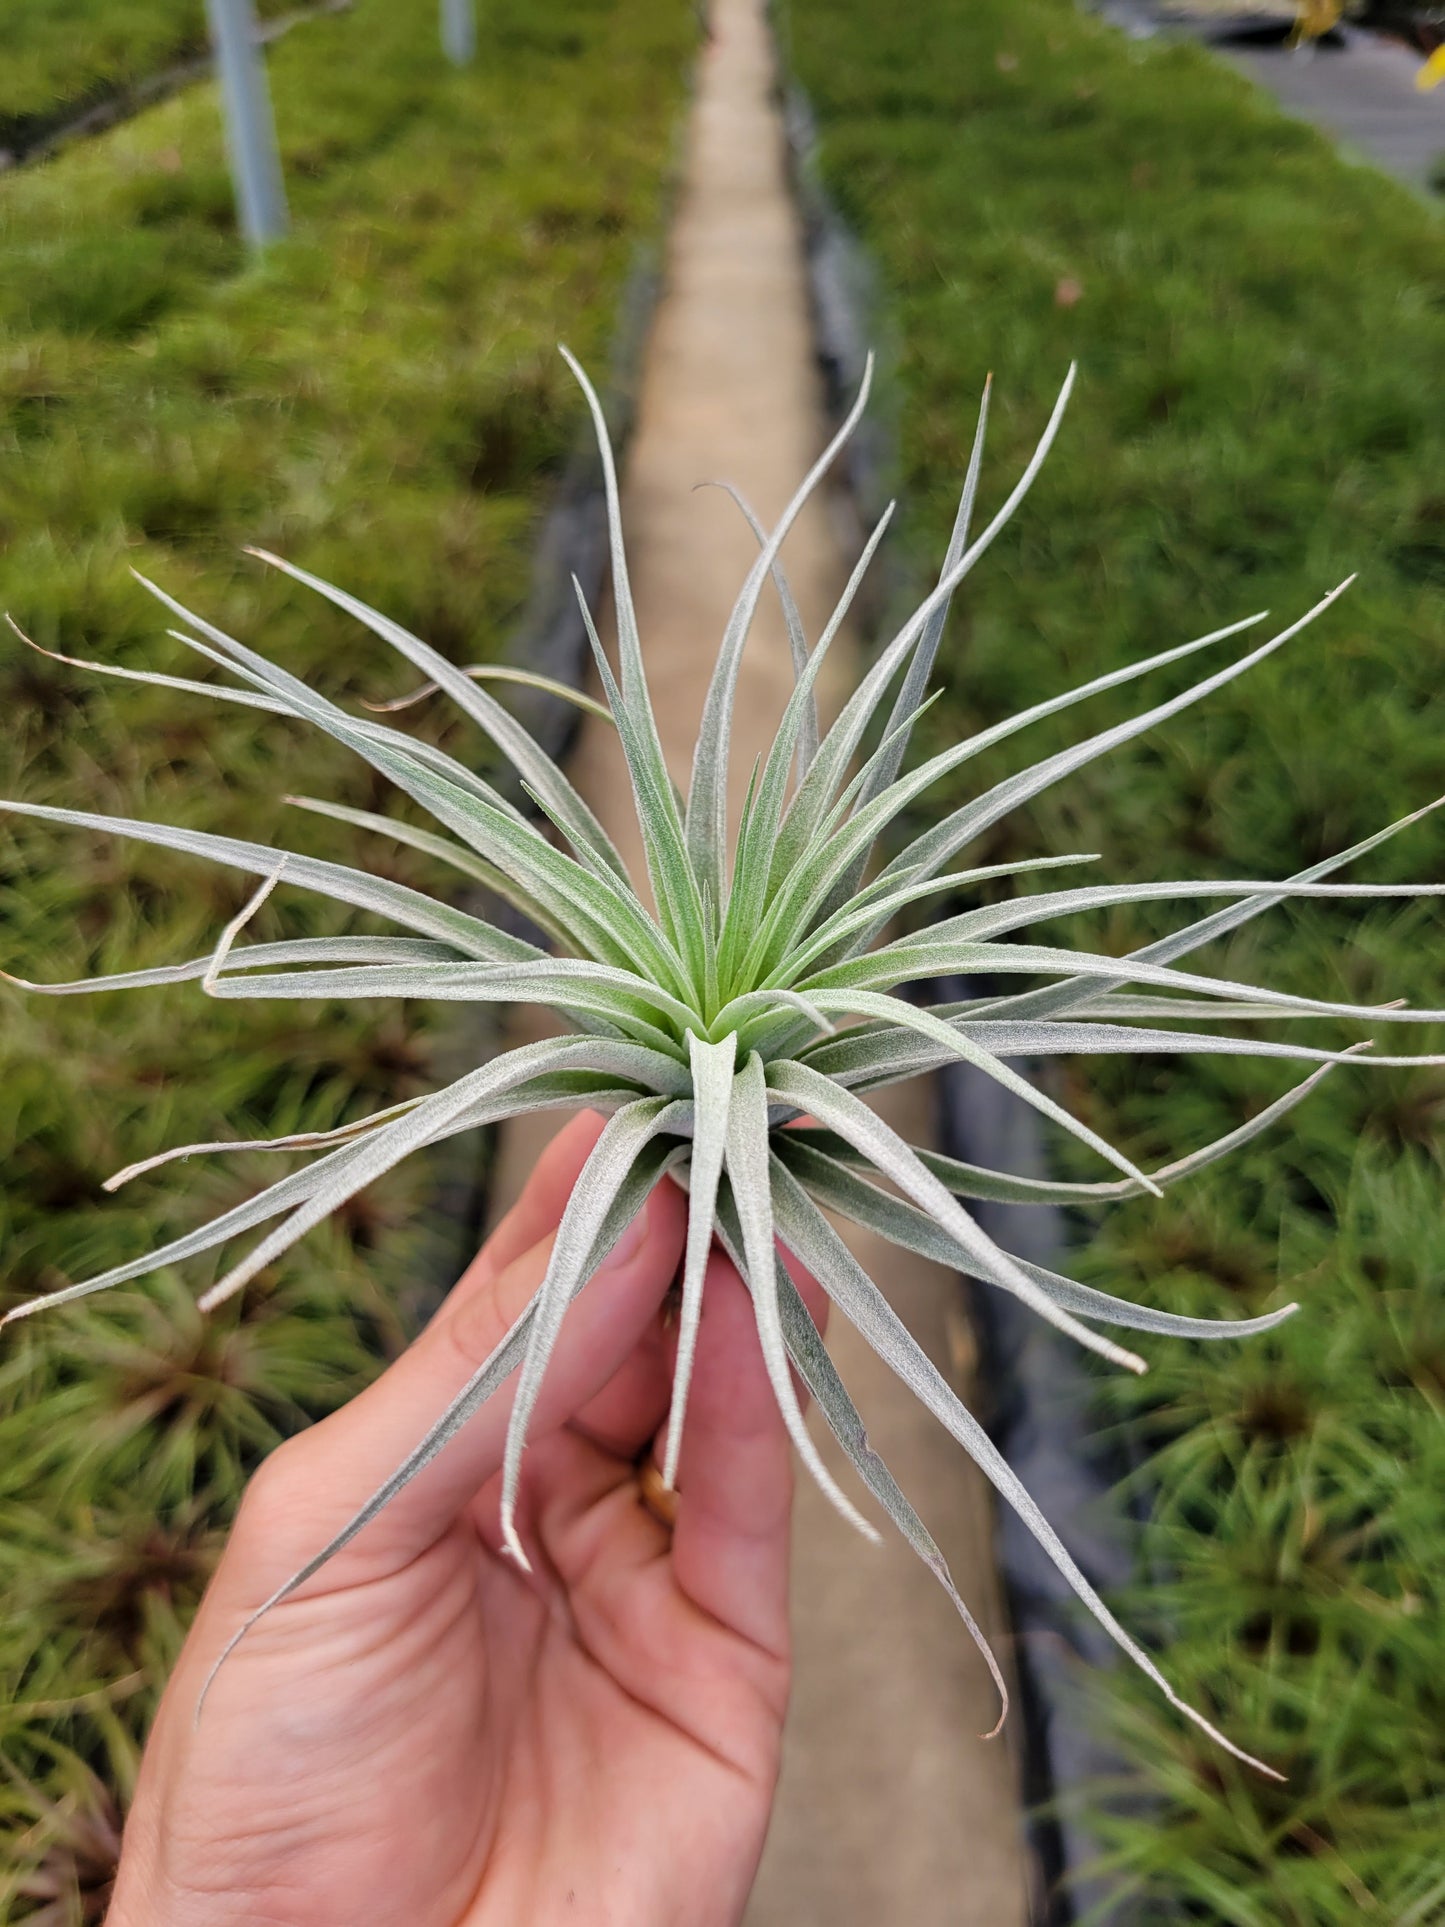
60 55
381 400
1259 327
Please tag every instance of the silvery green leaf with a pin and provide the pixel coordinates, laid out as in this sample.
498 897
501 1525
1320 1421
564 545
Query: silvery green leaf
403 758
526 755
295 1141
539 1067
940 844
808 1234
409 908
707 797
810 1360
712 1067
561 982
758 837
920 667
379 1152
1043 1040
832 1183
1006 1187
747 1167
567 895
1058 999
455 1108
755 1015
904 961
996 919
816 787
217 692
792 622
456 855
279 694
964 1044
488 1378
634 673
634 705
669 867
812 883
880 901
838 1110
597 908
257 956
839 746
626 1135
841 742
886 1056
960 1178
563 692
1116 1007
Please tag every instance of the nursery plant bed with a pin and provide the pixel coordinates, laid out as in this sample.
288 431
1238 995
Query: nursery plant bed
1032 186
386 387
34 136
66 57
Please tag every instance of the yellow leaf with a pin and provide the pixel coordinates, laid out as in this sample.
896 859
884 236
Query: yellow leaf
1433 72
1316 17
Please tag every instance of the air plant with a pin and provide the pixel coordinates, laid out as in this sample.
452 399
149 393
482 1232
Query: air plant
733 1025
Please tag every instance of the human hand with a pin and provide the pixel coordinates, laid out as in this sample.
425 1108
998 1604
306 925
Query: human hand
426 1736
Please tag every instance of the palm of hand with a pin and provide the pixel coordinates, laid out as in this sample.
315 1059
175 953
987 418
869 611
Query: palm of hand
425 1734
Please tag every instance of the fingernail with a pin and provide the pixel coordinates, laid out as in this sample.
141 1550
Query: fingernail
631 1241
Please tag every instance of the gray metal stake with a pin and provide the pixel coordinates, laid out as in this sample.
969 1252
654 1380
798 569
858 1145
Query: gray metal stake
250 126
459 31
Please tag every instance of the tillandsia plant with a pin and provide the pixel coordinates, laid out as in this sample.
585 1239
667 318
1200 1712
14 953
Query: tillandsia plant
732 1020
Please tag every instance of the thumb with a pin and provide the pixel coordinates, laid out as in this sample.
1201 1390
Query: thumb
318 1481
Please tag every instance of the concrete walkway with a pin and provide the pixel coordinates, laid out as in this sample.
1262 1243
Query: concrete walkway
1357 86
891 1809
1363 93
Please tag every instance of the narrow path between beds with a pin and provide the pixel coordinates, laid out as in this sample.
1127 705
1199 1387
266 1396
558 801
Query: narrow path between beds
891 1808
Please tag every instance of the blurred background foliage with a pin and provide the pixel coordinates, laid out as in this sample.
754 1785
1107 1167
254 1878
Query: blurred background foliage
381 401
62 57
1260 330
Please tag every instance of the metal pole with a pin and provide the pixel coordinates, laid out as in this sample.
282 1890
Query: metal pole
459 31
250 126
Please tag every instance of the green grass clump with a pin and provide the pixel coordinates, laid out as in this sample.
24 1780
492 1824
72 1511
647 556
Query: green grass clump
381 397
1259 327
